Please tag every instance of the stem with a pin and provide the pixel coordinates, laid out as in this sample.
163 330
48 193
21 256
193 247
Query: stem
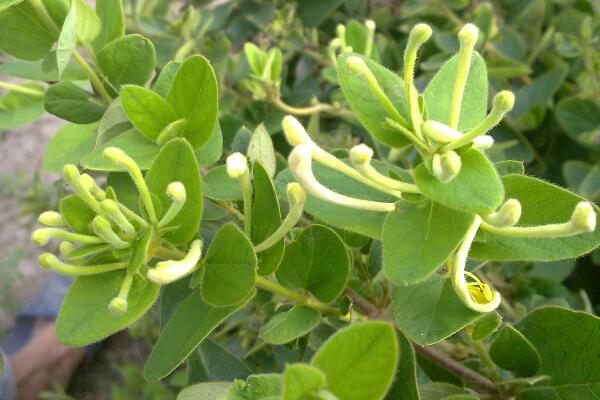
276 288
485 358
368 171
94 79
132 215
22 89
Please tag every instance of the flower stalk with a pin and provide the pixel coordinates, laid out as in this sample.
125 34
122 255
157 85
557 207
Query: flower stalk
176 191
237 168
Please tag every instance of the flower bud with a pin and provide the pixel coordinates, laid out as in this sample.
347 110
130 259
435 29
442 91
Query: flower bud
370 24
294 131
446 166
51 218
361 154
103 229
176 191
584 217
468 35
41 237
439 132
66 248
503 101
116 155
48 260
237 165
295 193
118 306
341 31
357 65
89 184
419 34
71 174
508 215
483 142
335 43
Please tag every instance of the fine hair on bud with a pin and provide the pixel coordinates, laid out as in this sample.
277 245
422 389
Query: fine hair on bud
468 35
504 101
419 34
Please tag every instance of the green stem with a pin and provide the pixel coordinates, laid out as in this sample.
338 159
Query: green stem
22 89
485 358
276 288
96 82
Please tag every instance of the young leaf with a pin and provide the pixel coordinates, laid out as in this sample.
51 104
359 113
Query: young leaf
77 214
112 22
165 78
206 391
148 112
477 187
419 237
85 318
438 94
266 218
368 223
68 101
512 351
261 149
67 40
193 95
359 361
486 325
128 60
542 203
289 325
192 321
88 23
301 382
33 40
318 262
176 163
430 311
69 145
220 365
229 268
131 142
366 105
113 122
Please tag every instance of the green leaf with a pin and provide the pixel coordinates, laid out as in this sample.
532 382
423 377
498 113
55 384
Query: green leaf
69 145
365 104
88 23
84 317
67 40
219 364
176 163
261 149
112 20
42 70
266 219
140 251
4 4
486 325
542 203
419 237
512 351
568 343
256 58
77 214
430 311
477 187
20 109
33 40
359 361
211 151
113 122
438 94
229 267
539 91
264 387
318 262
127 60
206 391
289 325
508 167
68 101
301 381
580 119
131 142
191 322
219 186
405 381
165 78
368 223
438 391
148 111
193 95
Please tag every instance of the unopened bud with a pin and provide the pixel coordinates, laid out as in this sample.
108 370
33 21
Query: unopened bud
51 218
468 35
118 306
296 193
483 142
446 166
294 131
236 165
419 34
41 237
361 154
71 174
504 101
176 191
341 31
508 215
357 65
48 260
370 24
66 248
584 217
439 132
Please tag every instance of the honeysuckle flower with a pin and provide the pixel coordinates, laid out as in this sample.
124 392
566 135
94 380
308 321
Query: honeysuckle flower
508 214
300 163
51 218
476 295
446 166
370 25
176 191
237 168
169 271
103 229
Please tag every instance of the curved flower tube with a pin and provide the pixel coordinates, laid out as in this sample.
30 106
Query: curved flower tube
507 215
476 295
72 177
169 271
42 236
300 163
419 34
176 191
446 166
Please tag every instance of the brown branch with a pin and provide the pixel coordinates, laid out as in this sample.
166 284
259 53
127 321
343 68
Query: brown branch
433 355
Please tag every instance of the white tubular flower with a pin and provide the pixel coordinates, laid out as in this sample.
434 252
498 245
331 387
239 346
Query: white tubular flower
169 271
237 165
176 191
300 164
51 218
584 217
446 166
508 215
296 135
476 295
